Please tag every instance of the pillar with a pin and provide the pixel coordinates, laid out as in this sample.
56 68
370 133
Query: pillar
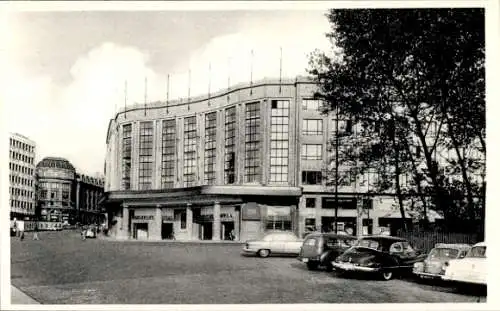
236 218
189 221
125 221
359 218
158 222
78 217
216 225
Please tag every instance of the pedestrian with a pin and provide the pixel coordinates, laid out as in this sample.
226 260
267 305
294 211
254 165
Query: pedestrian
35 235
232 236
20 227
84 232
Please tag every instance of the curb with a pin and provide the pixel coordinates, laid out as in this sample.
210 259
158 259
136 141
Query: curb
17 297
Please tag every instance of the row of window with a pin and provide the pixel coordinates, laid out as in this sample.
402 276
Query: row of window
21 192
18 144
19 180
21 169
21 157
21 204
329 203
54 195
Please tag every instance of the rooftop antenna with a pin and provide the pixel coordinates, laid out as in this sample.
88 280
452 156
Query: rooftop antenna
209 80
281 65
168 89
145 93
251 71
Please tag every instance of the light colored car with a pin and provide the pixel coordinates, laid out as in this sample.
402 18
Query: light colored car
471 269
276 243
90 233
433 265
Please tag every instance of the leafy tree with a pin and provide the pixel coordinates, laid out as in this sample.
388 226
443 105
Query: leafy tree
413 81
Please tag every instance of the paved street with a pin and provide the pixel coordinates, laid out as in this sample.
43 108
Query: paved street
62 269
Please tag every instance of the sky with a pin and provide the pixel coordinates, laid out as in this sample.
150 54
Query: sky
65 73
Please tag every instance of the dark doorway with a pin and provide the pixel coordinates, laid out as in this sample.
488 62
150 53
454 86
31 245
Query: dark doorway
206 233
227 227
167 231
140 231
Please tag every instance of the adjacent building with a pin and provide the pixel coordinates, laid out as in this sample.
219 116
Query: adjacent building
244 160
22 152
65 196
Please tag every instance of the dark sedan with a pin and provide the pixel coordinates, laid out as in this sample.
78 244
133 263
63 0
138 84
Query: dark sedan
381 255
319 249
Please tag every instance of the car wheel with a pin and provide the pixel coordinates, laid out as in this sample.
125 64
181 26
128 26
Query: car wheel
312 266
387 275
264 253
329 267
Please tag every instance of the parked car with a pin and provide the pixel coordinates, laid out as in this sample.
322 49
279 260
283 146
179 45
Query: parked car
433 265
320 249
471 269
382 255
91 233
276 243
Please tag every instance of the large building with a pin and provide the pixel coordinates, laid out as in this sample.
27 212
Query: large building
247 159
22 177
65 196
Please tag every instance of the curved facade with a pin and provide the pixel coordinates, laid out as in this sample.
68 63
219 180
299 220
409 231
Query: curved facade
244 160
55 177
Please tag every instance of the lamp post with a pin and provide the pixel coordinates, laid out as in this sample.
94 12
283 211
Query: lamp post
336 167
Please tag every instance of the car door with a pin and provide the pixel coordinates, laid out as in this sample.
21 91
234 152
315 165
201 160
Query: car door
291 243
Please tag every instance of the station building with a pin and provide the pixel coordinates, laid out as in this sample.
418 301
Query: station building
238 162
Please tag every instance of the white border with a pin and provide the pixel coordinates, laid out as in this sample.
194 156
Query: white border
492 98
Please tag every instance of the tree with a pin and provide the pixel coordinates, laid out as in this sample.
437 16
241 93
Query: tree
413 80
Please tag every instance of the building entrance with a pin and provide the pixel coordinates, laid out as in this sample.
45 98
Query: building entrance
167 231
206 231
227 230
140 231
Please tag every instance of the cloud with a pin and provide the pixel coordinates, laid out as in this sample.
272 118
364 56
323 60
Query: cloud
71 120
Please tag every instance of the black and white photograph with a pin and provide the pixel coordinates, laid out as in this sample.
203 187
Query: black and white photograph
250 153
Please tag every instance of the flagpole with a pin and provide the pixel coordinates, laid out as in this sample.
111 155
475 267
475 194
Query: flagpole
168 89
145 93
281 65
251 71
189 88
125 98
228 76
209 80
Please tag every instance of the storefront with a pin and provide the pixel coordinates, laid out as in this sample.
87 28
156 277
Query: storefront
160 216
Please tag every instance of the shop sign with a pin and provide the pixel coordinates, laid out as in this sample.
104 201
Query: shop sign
166 218
250 211
143 217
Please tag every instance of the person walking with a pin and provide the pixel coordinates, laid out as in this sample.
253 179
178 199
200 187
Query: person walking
20 227
83 233
35 234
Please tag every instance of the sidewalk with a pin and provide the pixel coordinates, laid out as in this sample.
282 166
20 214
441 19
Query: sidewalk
227 242
17 297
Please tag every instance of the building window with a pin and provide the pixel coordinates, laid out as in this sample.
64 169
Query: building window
342 203
312 127
252 142
312 178
183 220
168 154
311 104
126 155
210 147
229 155
145 155
312 152
310 202
189 151
310 224
278 223
279 141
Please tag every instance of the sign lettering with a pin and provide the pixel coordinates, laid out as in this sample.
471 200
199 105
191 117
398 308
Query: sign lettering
139 217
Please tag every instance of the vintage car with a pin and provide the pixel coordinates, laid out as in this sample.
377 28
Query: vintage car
320 249
91 233
471 269
276 243
384 256
432 266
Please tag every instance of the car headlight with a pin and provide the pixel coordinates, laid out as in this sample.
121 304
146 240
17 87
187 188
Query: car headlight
418 266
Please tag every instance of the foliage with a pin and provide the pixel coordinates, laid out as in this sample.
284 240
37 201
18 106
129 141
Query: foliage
412 81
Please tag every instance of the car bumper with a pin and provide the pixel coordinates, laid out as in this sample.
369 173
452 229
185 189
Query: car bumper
351 267
248 251
428 275
453 279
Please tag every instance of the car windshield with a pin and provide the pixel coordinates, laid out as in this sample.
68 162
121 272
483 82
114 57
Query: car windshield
368 243
444 253
477 252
